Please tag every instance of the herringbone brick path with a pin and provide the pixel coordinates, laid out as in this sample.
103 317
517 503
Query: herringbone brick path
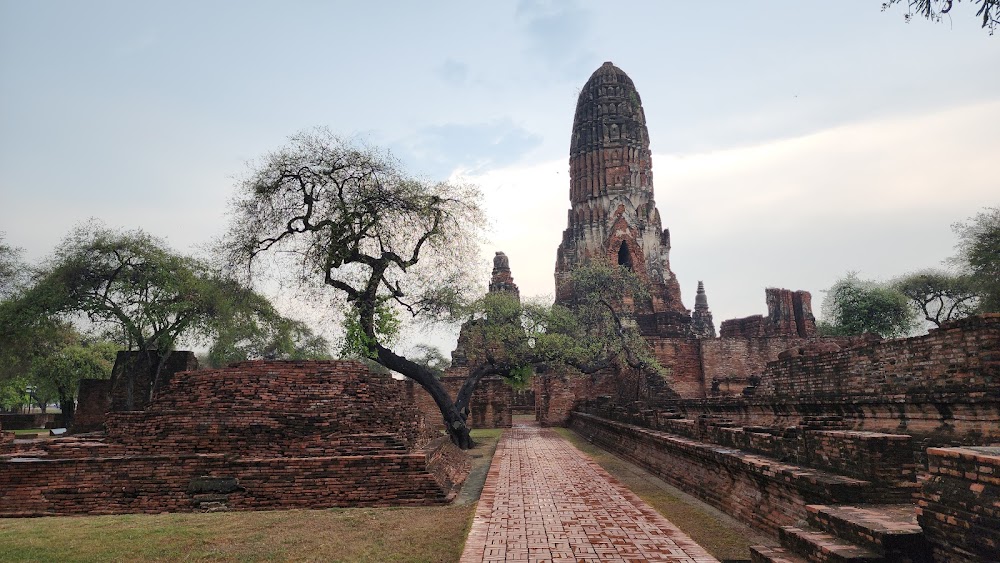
546 501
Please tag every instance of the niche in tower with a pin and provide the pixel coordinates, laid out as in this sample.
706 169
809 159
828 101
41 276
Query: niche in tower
624 256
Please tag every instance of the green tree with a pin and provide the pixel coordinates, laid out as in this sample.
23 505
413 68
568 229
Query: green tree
935 10
431 358
131 287
939 296
268 335
352 221
11 268
979 255
58 374
854 307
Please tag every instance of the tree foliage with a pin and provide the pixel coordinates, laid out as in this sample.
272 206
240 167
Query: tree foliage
935 10
11 269
130 287
979 256
939 296
350 219
853 307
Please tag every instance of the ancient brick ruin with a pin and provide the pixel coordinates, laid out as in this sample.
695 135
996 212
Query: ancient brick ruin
842 449
255 435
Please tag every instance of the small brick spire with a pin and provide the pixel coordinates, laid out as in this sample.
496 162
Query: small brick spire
701 319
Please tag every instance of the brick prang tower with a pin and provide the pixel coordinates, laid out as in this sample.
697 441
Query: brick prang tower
613 217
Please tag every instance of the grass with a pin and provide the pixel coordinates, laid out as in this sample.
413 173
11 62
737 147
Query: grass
42 431
723 537
352 534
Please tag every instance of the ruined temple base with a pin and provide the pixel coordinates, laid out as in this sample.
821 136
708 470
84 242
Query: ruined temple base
253 436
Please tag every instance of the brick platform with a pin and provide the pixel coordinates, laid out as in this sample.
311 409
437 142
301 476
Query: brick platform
544 500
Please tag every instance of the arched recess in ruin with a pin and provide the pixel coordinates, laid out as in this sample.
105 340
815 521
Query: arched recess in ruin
624 256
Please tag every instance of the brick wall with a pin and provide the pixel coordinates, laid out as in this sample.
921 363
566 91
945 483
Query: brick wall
682 357
92 405
490 407
959 505
134 376
33 420
253 435
176 483
763 492
883 459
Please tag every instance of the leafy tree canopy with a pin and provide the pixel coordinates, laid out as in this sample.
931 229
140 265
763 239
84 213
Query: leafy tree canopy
132 288
939 296
979 256
853 307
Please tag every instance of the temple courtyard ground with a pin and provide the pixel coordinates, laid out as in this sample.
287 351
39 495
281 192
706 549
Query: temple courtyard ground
544 485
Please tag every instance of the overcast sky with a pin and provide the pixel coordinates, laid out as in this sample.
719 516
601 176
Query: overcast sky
792 141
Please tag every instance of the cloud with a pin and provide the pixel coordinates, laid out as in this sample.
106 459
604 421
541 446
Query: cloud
453 72
557 33
441 149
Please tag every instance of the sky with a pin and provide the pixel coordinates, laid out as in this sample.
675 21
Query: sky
793 141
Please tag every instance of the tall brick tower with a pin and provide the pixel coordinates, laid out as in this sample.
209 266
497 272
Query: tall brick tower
613 217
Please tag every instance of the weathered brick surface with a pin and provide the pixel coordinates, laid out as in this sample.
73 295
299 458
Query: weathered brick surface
759 490
5 437
959 505
92 405
942 388
270 434
135 376
26 421
491 405
884 459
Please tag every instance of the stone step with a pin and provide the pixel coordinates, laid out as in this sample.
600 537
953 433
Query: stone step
888 529
821 547
769 554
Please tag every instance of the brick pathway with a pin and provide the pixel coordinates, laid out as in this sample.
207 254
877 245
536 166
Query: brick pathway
546 501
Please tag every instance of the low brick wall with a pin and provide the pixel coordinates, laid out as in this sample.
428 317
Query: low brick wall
176 483
760 491
959 505
253 435
491 405
27 421
883 459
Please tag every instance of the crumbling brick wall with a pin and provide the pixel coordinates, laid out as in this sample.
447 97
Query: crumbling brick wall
959 504
251 436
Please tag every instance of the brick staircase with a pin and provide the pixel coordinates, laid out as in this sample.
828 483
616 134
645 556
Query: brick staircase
841 533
